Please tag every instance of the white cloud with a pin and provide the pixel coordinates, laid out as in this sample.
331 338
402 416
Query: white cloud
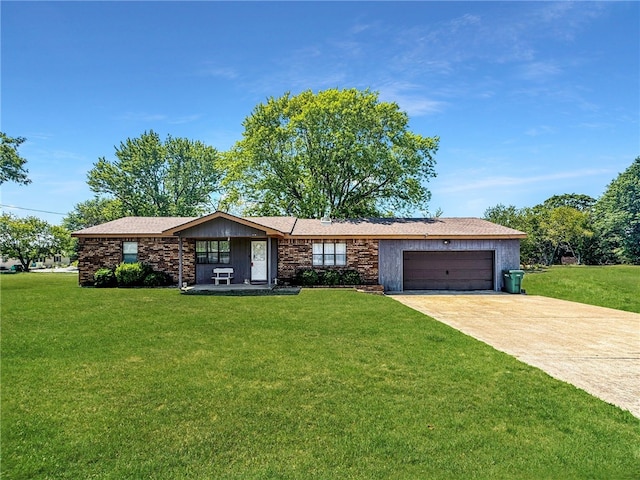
184 119
426 53
539 71
38 136
539 130
410 99
415 105
210 69
362 27
457 184
144 117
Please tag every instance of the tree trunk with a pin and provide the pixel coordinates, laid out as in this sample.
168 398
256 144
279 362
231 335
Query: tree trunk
25 263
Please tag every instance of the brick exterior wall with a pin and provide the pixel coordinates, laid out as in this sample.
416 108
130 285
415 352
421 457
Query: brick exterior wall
362 255
296 254
161 253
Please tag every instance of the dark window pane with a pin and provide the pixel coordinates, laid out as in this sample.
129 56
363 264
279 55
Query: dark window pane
213 251
130 257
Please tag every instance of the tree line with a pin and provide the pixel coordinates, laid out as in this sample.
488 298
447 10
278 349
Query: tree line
579 227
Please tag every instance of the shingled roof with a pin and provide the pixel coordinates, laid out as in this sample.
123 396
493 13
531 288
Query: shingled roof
310 228
403 227
134 226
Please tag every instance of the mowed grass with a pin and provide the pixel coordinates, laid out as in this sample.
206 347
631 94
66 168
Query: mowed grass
329 384
616 286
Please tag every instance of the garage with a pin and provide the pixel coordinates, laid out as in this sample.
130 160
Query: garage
449 270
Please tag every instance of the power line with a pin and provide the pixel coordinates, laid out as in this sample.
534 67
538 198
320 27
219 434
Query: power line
31 209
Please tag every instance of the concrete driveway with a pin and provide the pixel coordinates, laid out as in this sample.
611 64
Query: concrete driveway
596 349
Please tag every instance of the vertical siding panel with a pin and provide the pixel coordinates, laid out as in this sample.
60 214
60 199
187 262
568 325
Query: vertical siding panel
506 256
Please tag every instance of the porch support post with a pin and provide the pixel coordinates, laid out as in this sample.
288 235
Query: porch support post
269 261
179 262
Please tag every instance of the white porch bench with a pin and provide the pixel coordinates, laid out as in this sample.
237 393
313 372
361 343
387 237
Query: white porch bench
222 274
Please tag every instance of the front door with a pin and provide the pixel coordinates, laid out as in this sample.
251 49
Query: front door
259 261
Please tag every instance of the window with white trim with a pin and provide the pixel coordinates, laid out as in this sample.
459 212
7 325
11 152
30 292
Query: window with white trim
129 252
329 254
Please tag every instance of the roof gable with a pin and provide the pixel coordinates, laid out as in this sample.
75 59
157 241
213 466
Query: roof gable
216 215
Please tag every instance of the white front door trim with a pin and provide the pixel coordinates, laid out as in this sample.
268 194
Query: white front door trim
259 260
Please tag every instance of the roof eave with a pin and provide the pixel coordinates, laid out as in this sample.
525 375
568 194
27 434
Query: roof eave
410 237
119 235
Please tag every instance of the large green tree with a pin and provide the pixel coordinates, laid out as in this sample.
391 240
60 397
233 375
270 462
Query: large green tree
533 249
507 216
152 178
554 228
617 215
568 230
11 163
342 153
29 238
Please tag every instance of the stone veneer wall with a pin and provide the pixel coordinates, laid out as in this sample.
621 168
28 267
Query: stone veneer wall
296 254
161 253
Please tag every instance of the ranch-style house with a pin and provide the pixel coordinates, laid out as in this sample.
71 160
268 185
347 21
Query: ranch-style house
397 253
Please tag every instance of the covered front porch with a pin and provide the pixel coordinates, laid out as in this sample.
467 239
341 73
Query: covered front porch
222 241
253 260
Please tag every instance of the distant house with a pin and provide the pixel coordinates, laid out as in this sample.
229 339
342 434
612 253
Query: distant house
44 262
398 253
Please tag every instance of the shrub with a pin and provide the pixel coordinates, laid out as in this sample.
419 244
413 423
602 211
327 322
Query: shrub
157 279
331 277
104 277
131 274
307 277
351 277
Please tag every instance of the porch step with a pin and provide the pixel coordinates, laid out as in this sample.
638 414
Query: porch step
239 290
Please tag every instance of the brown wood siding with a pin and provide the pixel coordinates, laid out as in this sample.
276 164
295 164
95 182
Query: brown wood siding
470 270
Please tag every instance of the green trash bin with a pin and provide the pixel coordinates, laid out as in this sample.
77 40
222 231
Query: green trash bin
513 280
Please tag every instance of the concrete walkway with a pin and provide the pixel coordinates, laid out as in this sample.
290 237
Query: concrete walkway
596 349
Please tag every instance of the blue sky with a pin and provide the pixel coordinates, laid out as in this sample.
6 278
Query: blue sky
529 99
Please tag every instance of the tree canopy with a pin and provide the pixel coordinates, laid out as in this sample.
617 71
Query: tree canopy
152 178
617 215
554 228
11 163
341 153
577 201
30 238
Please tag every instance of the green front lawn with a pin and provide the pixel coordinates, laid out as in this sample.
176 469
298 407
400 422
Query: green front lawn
616 286
150 384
